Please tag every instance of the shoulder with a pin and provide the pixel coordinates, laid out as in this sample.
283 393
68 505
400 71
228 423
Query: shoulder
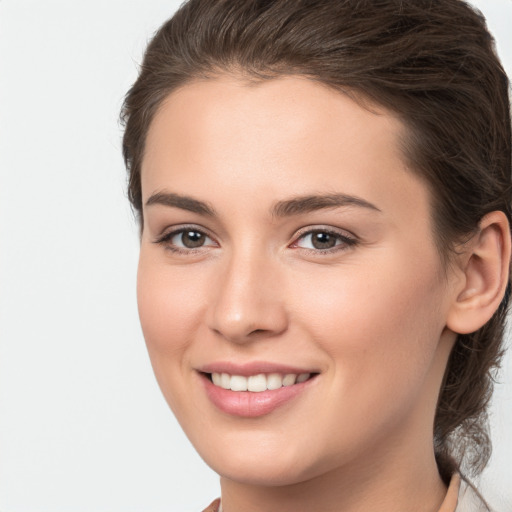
461 491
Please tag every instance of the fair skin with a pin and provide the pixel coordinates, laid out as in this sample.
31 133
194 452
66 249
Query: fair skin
348 289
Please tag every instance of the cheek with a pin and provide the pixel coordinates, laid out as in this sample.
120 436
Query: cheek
380 329
169 303
382 321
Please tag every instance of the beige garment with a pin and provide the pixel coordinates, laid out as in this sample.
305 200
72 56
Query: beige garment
460 497
213 507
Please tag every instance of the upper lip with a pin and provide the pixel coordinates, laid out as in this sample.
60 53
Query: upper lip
252 368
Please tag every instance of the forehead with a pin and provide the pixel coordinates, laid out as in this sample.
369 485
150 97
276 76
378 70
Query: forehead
228 117
233 140
300 105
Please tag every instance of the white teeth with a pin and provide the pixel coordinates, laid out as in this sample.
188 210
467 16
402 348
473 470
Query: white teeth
238 383
289 379
274 381
258 383
225 381
302 377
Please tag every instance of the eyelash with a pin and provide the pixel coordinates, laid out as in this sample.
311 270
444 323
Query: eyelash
167 237
346 241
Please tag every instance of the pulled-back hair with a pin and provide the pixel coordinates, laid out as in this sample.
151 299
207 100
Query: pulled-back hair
430 62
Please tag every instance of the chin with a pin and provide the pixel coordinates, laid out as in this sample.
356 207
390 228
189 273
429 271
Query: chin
267 473
261 465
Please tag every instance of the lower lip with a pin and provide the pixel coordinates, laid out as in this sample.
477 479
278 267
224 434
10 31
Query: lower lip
248 404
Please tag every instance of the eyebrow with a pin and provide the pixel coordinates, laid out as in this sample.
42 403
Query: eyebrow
183 202
310 203
287 208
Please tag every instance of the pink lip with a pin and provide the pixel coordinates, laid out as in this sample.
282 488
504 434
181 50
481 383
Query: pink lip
248 404
252 368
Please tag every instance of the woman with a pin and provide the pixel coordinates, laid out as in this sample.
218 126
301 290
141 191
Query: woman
324 196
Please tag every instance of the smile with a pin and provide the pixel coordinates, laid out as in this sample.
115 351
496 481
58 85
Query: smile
254 390
257 383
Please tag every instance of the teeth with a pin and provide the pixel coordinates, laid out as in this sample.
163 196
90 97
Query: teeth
225 381
274 381
258 383
238 383
289 379
302 377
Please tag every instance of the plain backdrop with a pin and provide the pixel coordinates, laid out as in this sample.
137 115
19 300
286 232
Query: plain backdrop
83 426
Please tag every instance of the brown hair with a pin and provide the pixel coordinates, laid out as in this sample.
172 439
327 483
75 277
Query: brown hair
432 63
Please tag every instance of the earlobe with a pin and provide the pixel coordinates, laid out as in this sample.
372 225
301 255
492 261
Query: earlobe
485 275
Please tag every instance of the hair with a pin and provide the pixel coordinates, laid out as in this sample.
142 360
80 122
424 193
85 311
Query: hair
430 62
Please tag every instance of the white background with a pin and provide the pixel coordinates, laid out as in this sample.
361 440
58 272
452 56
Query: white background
83 426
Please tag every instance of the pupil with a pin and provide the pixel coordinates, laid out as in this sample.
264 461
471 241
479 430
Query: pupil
192 239
322 240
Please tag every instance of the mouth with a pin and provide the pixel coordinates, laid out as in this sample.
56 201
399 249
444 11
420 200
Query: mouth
255 394
258 383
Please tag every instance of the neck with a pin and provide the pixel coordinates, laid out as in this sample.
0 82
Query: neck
397 473
396 479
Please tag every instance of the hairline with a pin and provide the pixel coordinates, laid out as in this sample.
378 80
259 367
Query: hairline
447 249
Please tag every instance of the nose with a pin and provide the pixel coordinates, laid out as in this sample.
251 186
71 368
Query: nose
248 300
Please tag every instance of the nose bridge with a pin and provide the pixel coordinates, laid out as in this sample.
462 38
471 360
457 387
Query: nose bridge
247 301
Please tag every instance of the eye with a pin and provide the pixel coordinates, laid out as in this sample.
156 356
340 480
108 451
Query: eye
185 239
324 240
189 238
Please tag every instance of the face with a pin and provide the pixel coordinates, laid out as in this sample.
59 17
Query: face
290 292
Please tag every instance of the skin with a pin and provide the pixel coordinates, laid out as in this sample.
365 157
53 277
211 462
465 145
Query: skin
369 316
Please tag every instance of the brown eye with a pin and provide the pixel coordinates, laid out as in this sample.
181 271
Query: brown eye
318 239
190 239
186 240
323 240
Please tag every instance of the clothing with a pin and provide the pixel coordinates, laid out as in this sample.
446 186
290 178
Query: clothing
460 497
213 507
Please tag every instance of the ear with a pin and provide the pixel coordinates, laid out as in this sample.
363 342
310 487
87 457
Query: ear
485 274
